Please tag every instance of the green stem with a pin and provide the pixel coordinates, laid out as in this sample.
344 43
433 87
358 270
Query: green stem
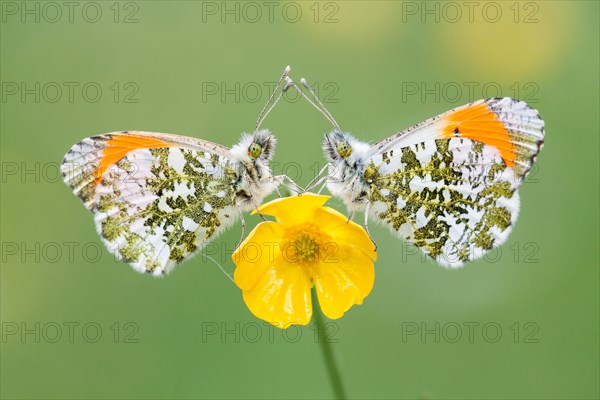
332 369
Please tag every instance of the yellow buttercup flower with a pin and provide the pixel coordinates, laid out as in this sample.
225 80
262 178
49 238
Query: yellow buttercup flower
309 244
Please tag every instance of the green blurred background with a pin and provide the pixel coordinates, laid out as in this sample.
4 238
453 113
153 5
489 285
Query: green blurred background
193 68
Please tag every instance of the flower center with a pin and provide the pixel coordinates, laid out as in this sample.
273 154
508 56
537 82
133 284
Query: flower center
304 243
307 248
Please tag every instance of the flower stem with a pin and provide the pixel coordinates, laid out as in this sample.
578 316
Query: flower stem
327 351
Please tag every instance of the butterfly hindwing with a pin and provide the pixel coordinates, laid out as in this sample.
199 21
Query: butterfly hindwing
452 198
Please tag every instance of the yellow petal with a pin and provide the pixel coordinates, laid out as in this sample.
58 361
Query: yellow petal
343 232
343 280
281 296
256 253
294 209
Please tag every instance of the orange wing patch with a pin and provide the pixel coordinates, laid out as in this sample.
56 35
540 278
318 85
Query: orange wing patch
118 146
480 123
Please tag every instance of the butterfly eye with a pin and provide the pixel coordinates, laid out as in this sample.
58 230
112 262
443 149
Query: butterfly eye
254 150
344 149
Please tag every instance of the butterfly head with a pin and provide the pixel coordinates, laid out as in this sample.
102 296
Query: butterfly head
340 146
262 145
257 147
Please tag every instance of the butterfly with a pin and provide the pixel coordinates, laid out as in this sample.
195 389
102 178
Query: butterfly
159 198
448 185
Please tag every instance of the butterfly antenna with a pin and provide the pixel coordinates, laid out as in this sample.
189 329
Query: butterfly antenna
268 107
325 110
319 109
285 88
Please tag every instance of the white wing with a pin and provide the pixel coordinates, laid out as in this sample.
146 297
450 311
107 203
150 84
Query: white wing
449 185
156 198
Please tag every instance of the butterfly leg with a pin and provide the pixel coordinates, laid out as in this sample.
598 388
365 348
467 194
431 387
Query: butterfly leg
288 183
252 198
322 187
259 213
257 210
351 215
278 192
323 180
293 184
367 224
243 226
327 180
318 178
279 179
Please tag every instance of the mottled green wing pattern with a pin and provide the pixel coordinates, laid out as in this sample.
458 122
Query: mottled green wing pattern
449 185
155 207
453 198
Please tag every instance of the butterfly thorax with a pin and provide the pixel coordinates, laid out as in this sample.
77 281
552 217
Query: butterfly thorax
254 183
347 169
251 158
